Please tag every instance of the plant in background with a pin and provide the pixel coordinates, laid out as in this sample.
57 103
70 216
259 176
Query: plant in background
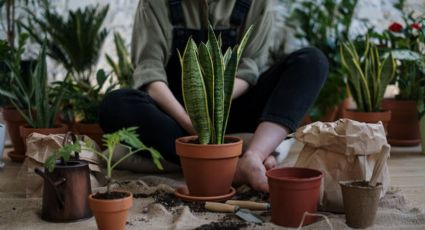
123 69
368 75
324 25
74 41
207 83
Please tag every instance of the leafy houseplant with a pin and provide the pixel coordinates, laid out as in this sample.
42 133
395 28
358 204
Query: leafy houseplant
324 25
368 77
123 69
207 83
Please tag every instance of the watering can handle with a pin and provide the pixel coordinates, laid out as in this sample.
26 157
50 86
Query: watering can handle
73 137
54 185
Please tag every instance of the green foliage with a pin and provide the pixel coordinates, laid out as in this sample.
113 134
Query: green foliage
74 41
123 69
207 83
64 153
368 75
324 25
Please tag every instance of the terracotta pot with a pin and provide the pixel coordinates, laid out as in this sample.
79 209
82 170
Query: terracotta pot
330 114
403 129
360 203
111 214
208 169
65 192
94 131
294 191
422 129
13 120
25 131
369 117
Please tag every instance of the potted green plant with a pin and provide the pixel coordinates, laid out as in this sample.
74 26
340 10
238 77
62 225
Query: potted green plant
66 184
209 159
404 43
368 77
111 208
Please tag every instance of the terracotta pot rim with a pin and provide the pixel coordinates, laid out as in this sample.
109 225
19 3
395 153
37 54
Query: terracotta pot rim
57 126
130 196
181 140
270 175
383 111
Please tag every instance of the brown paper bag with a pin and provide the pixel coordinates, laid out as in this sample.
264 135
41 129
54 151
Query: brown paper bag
39 148
343 150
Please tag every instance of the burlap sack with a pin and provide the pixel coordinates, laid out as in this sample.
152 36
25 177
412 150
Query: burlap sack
343 150
39 148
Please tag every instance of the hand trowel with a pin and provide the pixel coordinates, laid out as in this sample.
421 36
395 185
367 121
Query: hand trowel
244 214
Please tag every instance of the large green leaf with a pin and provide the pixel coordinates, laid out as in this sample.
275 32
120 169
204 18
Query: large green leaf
194 92
229 81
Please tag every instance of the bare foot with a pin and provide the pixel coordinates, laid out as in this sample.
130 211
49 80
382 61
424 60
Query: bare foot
270 162
251 170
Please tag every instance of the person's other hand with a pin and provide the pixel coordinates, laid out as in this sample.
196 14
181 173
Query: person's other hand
252 171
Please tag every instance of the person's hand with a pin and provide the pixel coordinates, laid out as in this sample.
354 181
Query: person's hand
252 171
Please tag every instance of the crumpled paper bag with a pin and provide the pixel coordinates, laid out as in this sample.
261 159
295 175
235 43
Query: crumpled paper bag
39 148
343 150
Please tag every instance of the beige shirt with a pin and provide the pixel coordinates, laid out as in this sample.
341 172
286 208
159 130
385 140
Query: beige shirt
151 46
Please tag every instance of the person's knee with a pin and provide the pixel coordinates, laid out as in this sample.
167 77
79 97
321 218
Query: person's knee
314 59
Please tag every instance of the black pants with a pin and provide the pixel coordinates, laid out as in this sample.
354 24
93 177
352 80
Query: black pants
282 95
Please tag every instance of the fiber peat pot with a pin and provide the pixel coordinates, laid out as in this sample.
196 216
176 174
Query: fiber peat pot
360 203
65 192
294 191
208 169
369 117
403 129
111 213
13 121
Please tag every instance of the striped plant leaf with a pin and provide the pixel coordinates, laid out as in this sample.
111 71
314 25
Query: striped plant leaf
194 92
229 81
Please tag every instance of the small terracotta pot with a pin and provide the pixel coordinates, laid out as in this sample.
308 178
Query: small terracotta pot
13 120
403 129
94 131
360 203
208 169
111 214
294 191
25 131
369 117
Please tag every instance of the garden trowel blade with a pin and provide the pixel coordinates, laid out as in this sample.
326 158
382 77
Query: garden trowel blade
248 216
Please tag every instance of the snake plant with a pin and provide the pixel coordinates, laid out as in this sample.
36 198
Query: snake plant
208 77
368 75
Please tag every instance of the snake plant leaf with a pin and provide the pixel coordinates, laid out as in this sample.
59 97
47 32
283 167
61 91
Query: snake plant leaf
229 81
386 72
206 62
194 92
218 63
244 41
227 56
347 60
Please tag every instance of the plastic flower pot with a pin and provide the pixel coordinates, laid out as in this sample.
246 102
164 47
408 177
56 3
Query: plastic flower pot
294 191
360 203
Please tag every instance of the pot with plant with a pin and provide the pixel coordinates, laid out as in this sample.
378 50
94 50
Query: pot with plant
111 208
404 42
66 184
367 78
209 160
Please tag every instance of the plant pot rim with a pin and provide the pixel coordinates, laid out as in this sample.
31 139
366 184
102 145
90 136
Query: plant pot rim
270 175
74 164
184 140
129 196
359 112
57 126
347 182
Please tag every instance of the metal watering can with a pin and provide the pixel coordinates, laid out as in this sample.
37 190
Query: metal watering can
66 189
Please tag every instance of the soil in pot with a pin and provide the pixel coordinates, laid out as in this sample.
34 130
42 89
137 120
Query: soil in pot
369 117
360 202
293 191
111 210
208 169
403 128
13 120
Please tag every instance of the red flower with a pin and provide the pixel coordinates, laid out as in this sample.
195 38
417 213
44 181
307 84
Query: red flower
416 26
395 27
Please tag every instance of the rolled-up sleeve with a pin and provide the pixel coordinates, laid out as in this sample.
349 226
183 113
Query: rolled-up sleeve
149 45
254 58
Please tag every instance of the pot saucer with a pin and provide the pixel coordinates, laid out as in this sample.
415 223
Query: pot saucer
183 193
400 142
